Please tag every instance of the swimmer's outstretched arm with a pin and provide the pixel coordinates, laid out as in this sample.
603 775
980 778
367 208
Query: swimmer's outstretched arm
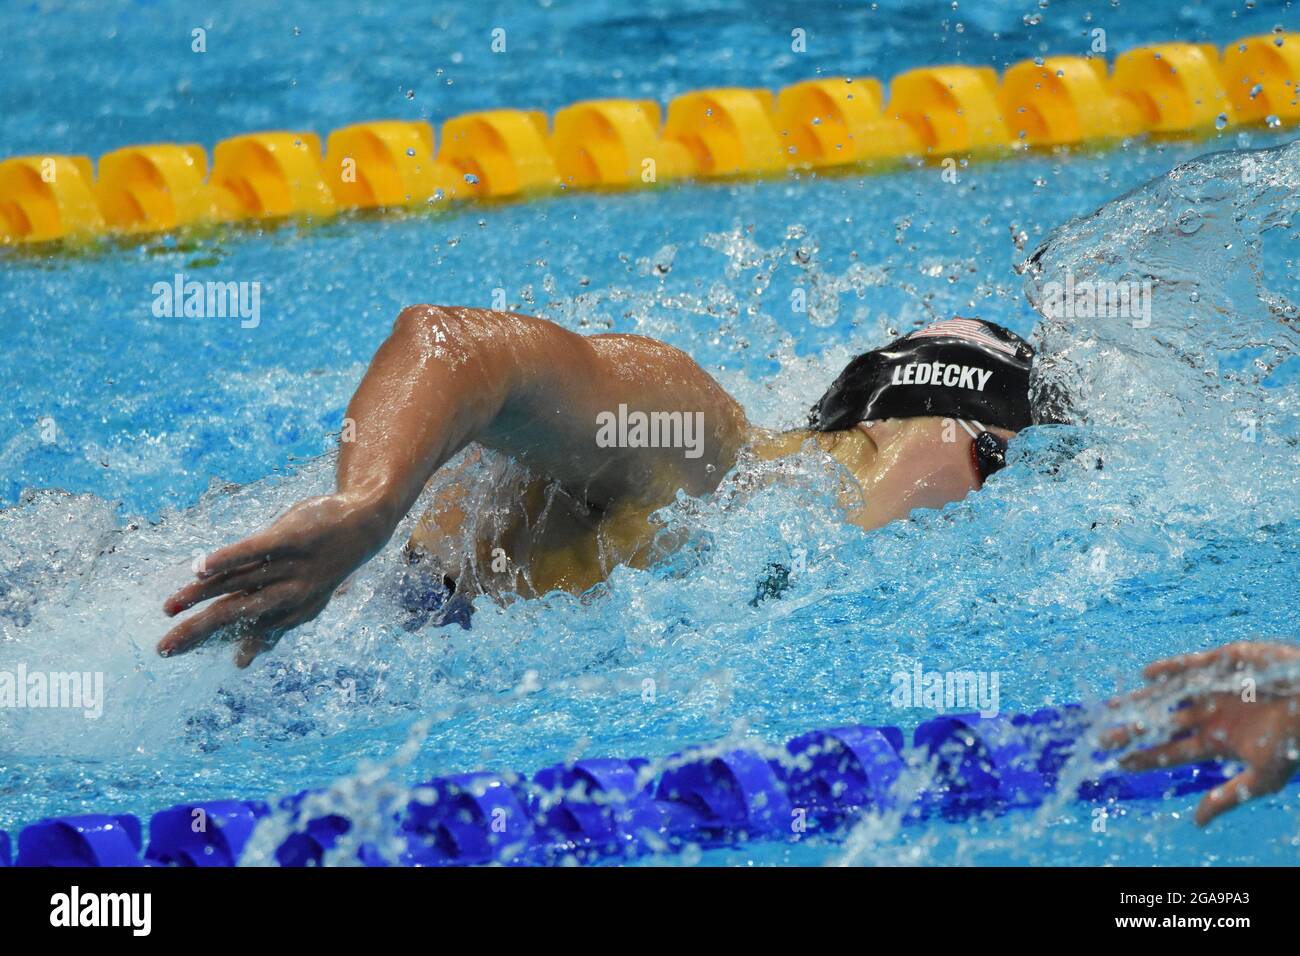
444 378
1263 731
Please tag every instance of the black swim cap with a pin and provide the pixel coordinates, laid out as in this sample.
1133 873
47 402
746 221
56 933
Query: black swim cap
958 368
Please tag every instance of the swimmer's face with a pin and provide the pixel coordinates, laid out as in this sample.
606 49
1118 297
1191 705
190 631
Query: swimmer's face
917 463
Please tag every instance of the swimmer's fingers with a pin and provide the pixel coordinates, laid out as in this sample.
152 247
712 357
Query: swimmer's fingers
259 643
234 609
1181 664
1122 736
1136 697
1244 786
1119 737
1190 749
258 550
264 638
231 582
250 647
1235 656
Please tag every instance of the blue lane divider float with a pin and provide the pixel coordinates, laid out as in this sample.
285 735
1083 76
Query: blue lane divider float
88 840
313 838
607 810
598 807
203 834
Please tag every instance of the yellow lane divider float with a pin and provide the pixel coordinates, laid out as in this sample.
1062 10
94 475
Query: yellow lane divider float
1066 100
382 164
616 143
47 197
933 112
838 122
264 175
1176 87
148 188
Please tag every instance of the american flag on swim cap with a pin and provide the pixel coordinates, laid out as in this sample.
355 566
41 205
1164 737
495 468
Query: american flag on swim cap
973 330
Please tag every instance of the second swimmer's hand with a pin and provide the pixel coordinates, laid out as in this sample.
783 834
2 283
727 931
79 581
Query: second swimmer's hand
277 579
1262 733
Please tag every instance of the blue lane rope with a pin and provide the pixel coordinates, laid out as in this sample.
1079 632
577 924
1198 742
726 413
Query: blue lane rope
606 810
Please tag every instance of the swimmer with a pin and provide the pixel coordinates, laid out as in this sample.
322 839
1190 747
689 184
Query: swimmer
1263 732
607 429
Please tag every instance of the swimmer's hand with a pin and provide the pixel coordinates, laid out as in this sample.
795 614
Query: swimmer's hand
1262 733
277 579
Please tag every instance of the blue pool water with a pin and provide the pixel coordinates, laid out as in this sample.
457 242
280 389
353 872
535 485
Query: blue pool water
173 436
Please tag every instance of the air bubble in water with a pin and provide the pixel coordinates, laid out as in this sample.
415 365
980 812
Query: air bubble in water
663 260
1190 222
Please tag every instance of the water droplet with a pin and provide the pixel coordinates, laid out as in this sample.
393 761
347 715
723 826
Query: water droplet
1189 223
1273 122
410 94
410 151
1221 121
471 179
1195 296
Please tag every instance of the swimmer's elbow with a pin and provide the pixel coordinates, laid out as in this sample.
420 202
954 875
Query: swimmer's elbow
485 353
453 335
439 322
458 326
